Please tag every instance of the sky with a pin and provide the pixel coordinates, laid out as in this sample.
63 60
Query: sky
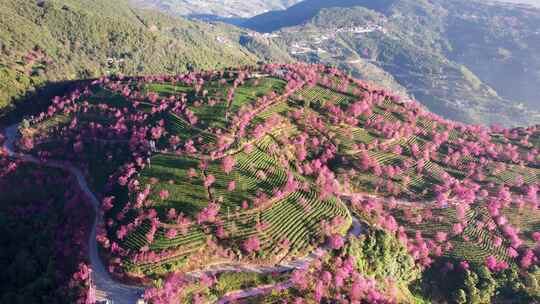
533 2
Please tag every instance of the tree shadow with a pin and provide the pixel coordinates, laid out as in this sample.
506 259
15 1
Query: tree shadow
37 101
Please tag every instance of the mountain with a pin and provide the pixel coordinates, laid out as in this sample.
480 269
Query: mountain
295 181
473 61
304 11
220 8
51 41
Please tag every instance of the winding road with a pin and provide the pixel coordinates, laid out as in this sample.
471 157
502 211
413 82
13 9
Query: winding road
108 289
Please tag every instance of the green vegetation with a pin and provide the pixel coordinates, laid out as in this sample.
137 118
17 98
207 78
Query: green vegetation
478 285
231 282
61 40
380 256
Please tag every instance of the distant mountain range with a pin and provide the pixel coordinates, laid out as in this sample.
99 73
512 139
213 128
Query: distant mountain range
304 11
472 61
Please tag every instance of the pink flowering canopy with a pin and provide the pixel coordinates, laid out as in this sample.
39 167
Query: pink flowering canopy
267 165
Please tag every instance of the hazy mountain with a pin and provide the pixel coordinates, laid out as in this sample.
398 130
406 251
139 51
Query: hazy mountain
222 8
471 61
51 41
305 10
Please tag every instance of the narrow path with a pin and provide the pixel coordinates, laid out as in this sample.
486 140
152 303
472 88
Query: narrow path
233 296
355 230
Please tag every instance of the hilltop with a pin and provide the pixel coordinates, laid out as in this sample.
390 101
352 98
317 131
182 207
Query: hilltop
297 179
471 61
52 41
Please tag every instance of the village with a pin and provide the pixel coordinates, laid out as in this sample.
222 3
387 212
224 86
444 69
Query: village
313 44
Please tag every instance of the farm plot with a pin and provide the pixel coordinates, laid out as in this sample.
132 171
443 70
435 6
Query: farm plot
513 174
181 128
474 244
166 89
255 88
527 219
318 96
294 218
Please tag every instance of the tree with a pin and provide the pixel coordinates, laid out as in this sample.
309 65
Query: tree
163 194
209 180
336 241
227 164
156 132
252 245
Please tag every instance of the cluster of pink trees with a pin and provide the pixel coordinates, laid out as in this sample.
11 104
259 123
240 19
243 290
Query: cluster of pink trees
67 226
336 279
170 292
494 265
251 245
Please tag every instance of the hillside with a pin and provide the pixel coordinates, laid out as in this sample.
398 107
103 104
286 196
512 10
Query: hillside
217 8
306 10
48 42
469 61
297 181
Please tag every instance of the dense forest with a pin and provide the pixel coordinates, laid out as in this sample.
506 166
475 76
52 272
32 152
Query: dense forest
44 222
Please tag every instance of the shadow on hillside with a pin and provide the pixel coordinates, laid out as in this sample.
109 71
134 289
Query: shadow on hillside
215 18
37 101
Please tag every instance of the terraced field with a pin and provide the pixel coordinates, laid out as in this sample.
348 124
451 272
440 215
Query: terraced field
318 96
285 219
257 176
262 167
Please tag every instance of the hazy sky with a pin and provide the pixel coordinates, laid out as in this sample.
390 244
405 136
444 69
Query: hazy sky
533 2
